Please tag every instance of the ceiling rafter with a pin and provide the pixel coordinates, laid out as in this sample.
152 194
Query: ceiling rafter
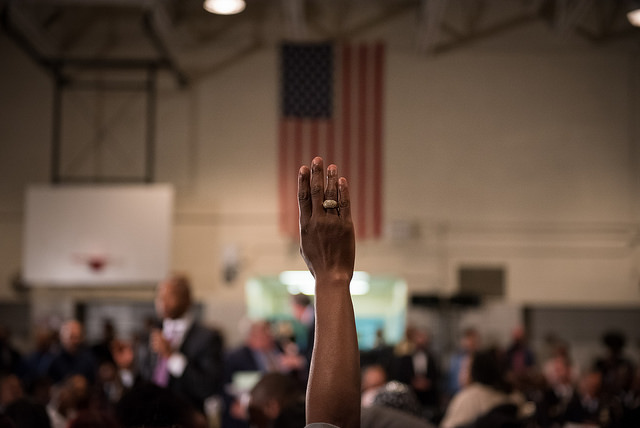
186 40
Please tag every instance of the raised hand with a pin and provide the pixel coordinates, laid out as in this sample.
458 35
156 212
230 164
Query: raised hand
327 239
327 245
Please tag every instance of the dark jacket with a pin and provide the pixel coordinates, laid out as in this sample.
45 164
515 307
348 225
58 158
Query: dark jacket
203 375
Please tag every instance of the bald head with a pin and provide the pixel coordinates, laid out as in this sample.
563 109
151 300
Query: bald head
173 297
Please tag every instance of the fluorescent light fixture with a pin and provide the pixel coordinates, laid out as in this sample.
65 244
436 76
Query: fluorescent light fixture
224 7
634 16
301 281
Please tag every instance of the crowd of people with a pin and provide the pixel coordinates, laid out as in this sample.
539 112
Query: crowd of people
180 373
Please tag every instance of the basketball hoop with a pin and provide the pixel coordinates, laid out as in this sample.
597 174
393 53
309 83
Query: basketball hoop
95 262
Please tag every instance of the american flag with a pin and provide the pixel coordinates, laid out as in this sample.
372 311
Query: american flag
331 106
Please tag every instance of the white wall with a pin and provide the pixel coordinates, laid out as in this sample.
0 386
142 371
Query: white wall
521 150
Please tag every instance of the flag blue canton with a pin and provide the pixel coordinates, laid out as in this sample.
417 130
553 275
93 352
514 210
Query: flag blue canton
307 71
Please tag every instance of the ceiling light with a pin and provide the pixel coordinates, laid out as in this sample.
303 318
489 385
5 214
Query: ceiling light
634 17
224 7
634 14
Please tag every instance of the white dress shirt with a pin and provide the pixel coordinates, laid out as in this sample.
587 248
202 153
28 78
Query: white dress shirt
175 331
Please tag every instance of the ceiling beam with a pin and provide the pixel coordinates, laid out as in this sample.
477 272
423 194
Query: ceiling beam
158 29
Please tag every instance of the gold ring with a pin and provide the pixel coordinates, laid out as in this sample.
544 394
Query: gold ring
330 204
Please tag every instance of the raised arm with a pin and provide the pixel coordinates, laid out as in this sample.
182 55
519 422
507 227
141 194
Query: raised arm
327 245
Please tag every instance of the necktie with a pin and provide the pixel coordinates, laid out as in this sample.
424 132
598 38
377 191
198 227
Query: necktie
161 371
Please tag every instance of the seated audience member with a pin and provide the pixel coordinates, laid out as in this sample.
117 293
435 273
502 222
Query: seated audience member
460 363
93 419
10 358
10 390
374 377
258 354
73 358
68 398
398 396
616 368
25 413
382 353
554 366
558 391
102 349
520 357
40 390
588 405
5 422
487 391
388 404
277 400
631 404
148 405
126 375
37 362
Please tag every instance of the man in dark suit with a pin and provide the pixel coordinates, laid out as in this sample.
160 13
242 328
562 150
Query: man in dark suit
186 357
415 365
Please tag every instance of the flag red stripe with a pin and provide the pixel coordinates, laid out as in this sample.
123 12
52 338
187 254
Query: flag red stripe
350 138
377 143
331 142
297 142
283 177
346 107
314 137
362 139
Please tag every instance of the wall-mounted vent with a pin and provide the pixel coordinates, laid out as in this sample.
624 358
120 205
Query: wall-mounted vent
481 281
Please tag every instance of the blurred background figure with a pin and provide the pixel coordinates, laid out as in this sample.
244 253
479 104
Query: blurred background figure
148 405
186 356
10 390
102 348
68 398
374 377
460 363
415 365
24 413
303 311
73 357
617 369
487 392
277 400
558 389
520 358
10 357
587 406
37 362
259 354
